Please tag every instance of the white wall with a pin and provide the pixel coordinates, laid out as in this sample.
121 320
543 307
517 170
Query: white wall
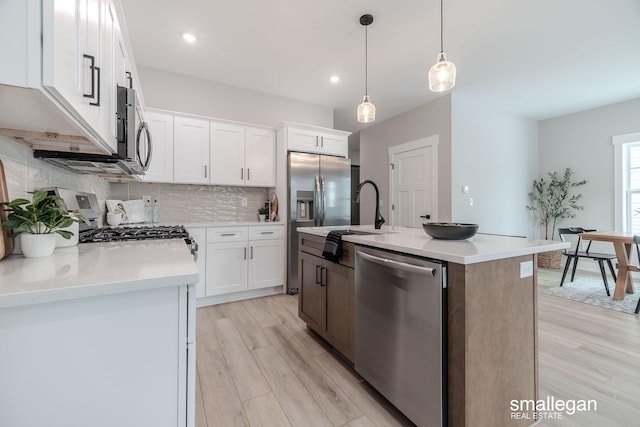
582 141
496 154
177 92
430 119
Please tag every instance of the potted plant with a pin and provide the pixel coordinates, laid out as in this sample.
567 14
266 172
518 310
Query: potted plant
262 213
552 203
37 222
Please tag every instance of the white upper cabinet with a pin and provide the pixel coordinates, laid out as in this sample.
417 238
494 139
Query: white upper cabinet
260 157
227 154
161 130
242 155
312 139
190 150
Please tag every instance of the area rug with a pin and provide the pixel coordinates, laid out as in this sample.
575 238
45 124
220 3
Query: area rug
591 291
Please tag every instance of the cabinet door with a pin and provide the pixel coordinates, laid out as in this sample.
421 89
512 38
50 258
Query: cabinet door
62 51
161 129
190 150
339 289
108 84
265 263
260 157
303 140
200 236
310 296
334 144
226 267
227 154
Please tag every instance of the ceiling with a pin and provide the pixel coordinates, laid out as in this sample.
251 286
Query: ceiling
539 59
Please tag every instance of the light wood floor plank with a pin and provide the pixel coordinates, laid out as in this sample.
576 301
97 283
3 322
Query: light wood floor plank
206 338
363 421
249 329
333 401
300 407
246 375
378 410
220 398
265 411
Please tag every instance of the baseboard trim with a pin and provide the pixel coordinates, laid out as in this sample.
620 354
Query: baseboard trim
238 296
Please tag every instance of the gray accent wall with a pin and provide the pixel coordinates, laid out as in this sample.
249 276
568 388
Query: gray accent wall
582 141
184 94
495 154
430 119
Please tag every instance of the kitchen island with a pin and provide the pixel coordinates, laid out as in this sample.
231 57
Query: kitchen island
489 313
99 334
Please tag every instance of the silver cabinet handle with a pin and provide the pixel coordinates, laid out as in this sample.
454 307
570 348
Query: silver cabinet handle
241 173
316 140
205 171
248 174
266 232
399 265
228 234
245 252
322 141
251 252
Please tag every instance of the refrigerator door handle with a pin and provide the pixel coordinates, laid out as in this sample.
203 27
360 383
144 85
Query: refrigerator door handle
316 203
324 200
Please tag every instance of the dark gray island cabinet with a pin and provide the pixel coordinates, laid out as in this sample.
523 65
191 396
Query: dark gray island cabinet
489 314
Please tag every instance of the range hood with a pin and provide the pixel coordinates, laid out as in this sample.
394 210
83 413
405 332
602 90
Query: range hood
96 164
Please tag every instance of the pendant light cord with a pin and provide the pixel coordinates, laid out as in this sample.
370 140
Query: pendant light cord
441 27
366 60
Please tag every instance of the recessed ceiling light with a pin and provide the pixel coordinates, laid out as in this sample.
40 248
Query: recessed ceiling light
334 79
189 38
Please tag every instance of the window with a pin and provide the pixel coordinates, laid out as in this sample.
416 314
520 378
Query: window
627 182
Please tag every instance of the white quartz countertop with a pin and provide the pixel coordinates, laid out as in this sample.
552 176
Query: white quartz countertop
414 241
92 269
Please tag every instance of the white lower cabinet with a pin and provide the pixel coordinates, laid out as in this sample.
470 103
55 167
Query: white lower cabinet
242 259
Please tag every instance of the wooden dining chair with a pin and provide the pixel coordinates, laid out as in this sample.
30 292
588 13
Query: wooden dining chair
573 254
636 240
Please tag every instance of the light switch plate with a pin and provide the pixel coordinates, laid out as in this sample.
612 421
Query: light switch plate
526 269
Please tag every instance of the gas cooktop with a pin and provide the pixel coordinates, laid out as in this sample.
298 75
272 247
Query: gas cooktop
148 232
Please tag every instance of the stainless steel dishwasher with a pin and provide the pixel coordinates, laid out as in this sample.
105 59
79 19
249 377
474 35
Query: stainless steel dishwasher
399 331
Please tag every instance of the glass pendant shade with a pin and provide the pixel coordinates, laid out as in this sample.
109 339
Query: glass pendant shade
442 76
366 111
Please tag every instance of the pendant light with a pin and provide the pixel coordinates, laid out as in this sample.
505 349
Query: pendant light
366 110
442 76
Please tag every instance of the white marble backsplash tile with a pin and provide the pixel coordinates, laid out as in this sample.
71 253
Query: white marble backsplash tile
180 203
25 174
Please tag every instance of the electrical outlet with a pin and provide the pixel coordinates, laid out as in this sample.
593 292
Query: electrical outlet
243 202
526 269
470 201
465 189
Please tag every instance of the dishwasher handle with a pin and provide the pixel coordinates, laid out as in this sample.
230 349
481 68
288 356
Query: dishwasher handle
399 265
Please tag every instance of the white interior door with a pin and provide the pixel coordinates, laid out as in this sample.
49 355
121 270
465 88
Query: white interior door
413 182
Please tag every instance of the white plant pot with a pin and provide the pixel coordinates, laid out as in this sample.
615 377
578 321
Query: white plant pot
262 217
37 245
61 242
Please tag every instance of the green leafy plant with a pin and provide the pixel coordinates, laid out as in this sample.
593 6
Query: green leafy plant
552 202
44 214
263 211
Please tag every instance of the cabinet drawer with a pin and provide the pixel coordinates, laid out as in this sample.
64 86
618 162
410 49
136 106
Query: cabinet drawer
314 245
227 234
263 233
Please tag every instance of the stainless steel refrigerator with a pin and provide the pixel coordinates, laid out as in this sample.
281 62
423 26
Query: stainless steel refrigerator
319 195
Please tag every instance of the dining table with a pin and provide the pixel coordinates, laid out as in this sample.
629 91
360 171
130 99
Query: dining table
622 243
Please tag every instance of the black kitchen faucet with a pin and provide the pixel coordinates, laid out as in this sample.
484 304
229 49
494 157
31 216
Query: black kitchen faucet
379 219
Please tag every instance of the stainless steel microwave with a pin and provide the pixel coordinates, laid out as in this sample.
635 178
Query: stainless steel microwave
130 159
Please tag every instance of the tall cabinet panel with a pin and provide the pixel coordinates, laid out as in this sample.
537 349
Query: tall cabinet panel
190 150
227 154
260 157
161 129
